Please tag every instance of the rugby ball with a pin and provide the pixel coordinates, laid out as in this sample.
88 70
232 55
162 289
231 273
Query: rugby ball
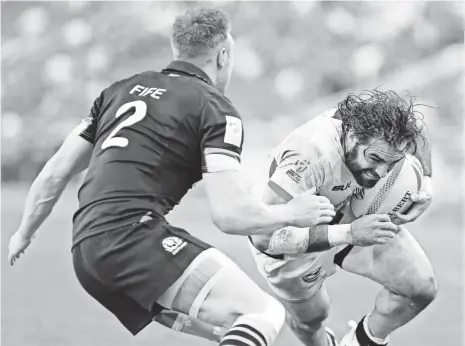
392 193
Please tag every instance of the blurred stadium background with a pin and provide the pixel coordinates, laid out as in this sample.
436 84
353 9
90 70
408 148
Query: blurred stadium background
294 59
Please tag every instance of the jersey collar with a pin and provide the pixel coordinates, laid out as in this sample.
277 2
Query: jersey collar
188 68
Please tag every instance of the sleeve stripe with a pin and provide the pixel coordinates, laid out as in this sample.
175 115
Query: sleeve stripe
273 167
219 151
87 137
280 191
86 129
220 162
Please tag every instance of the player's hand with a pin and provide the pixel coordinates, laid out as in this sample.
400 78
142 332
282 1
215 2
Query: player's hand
372 229
309 210
17 246
421 201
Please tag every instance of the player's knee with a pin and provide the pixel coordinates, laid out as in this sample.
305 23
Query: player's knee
425 290
275 314
308 324
268 322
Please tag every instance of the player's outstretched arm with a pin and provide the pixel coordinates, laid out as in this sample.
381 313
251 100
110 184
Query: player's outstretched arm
72 158
423 198
236 211
368 230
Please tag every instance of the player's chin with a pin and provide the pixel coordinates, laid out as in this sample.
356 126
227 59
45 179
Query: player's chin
366 182
369 183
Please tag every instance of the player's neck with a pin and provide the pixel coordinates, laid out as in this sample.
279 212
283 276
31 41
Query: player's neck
205 66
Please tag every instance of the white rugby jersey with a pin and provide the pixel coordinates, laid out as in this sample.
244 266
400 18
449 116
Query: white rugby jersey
312 156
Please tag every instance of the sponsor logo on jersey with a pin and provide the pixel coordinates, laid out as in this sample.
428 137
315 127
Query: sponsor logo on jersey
301 165
173 244
293 175
233 133
341 203
341 187
312 276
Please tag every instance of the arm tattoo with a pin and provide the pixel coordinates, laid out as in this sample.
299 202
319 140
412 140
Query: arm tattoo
289 241
294 241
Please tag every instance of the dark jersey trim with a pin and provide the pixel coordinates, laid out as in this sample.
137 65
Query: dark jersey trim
277 257
279 191
88 137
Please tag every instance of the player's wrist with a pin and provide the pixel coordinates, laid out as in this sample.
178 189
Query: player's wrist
340 235
279 214
24 234
284 215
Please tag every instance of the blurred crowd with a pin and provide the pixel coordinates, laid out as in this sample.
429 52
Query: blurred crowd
58 56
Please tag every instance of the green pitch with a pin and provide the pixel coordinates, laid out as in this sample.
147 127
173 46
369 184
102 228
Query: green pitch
43 304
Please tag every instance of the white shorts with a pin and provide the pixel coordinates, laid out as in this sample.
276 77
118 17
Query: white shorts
296 278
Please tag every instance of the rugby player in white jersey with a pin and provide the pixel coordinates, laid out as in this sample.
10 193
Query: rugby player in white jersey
338 153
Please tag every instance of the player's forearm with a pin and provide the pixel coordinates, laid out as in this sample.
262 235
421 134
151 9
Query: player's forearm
423 152
42 197
293 240
252 217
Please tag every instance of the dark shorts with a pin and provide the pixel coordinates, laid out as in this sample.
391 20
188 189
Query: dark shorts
128 269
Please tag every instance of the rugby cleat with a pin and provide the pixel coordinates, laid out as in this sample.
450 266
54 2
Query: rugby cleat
350 339
331 337
357 336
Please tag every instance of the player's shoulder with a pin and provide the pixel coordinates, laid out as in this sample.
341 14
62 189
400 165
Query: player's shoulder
200 96
130 79
318 138
219 104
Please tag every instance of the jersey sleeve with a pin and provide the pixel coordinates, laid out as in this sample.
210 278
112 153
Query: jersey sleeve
222 136
293 172
87 129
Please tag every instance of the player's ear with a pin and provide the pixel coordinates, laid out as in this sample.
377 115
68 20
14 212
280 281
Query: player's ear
350 137
221 58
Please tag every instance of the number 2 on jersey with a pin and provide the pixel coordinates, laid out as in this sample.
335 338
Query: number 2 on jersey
140 111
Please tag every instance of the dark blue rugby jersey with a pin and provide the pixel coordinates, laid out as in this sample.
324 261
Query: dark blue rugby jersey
153 134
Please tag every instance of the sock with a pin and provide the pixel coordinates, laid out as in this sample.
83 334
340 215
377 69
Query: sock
364 336
250 330
331 337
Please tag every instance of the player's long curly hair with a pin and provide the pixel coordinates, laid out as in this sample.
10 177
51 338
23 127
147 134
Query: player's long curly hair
382 115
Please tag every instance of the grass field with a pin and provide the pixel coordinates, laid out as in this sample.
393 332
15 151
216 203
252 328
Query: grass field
43 304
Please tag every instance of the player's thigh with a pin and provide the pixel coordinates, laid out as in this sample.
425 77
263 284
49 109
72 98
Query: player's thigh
129 312
400 265
296 279
215 290
234 294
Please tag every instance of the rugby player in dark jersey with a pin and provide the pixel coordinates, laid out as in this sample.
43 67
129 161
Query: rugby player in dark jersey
147 140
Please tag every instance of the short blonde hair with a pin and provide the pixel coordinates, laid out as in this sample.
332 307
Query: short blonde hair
198 31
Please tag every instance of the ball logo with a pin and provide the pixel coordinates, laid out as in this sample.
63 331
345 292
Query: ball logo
173 244
401 203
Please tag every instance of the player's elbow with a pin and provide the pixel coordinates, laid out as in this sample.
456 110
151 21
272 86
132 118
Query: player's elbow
223 222
227 221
